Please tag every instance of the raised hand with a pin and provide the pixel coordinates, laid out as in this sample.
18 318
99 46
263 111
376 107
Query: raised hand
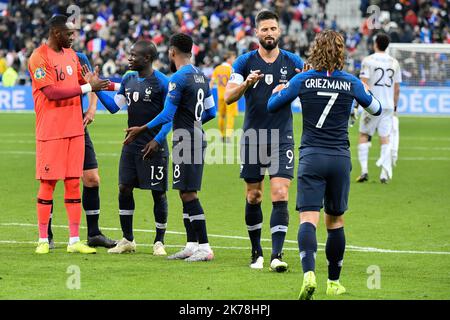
98 84
150 149
253 77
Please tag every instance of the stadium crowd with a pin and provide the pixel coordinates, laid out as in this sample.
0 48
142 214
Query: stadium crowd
109 27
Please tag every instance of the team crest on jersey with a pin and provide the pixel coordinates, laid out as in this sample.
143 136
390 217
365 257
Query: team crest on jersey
269 79
148 92
69 70
172 86
284 73
39 73
136 96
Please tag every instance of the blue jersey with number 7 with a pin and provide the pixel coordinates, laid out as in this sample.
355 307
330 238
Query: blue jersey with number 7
326 100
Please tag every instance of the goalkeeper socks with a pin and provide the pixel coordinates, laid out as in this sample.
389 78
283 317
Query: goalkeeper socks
91 206
197 219
44 206
43 210
72 202
307 245
334 250
279 221
363 156
126 211
253 220
160 212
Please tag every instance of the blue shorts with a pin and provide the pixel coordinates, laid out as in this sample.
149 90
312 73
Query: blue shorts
187 171
277 160
90 159
148 174
323 181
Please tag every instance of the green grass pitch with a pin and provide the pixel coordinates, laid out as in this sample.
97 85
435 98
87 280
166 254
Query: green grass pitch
397 234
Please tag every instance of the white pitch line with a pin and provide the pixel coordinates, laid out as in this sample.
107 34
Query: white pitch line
348 247
212 159
109 142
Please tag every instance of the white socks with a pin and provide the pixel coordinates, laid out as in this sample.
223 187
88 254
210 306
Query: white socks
73 240
192 246
385 162
204 247
363 156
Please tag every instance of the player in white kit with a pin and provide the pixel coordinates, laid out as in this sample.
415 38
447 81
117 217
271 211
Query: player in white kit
381 73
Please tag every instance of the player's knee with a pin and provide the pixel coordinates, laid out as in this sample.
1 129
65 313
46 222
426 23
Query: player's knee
91 180
159 196
46 189
125 190
280 194
188 196
384 140
334 221
254 196
72 188
363 138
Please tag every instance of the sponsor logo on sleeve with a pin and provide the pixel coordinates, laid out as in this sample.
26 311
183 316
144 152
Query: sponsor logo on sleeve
39 73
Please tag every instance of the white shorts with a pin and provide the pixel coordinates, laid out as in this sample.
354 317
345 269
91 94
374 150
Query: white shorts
368 123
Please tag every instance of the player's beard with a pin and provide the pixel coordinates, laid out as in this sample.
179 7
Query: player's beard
173 67
269 46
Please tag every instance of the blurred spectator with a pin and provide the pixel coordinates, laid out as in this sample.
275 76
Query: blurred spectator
10 76
108 28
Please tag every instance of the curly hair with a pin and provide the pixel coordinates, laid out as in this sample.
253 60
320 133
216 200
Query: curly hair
327 51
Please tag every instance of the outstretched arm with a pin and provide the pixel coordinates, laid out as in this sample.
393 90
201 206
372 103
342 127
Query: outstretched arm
365 98
165 116
112 104
283 95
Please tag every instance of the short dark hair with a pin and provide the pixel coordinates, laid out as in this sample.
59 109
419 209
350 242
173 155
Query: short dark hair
58 21
382 40
266 15
149 48
182 42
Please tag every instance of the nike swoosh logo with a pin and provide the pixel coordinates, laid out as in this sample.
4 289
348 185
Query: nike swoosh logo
175 182
154 184
289 167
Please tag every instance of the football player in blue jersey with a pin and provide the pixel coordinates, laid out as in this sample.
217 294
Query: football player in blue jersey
90 178
189 104
267 142
143 92
326 94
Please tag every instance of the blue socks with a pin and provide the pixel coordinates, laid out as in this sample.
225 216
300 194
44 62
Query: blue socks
334 250
197 220
307 245
160 210
253 220
91 206
279 221
126 211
